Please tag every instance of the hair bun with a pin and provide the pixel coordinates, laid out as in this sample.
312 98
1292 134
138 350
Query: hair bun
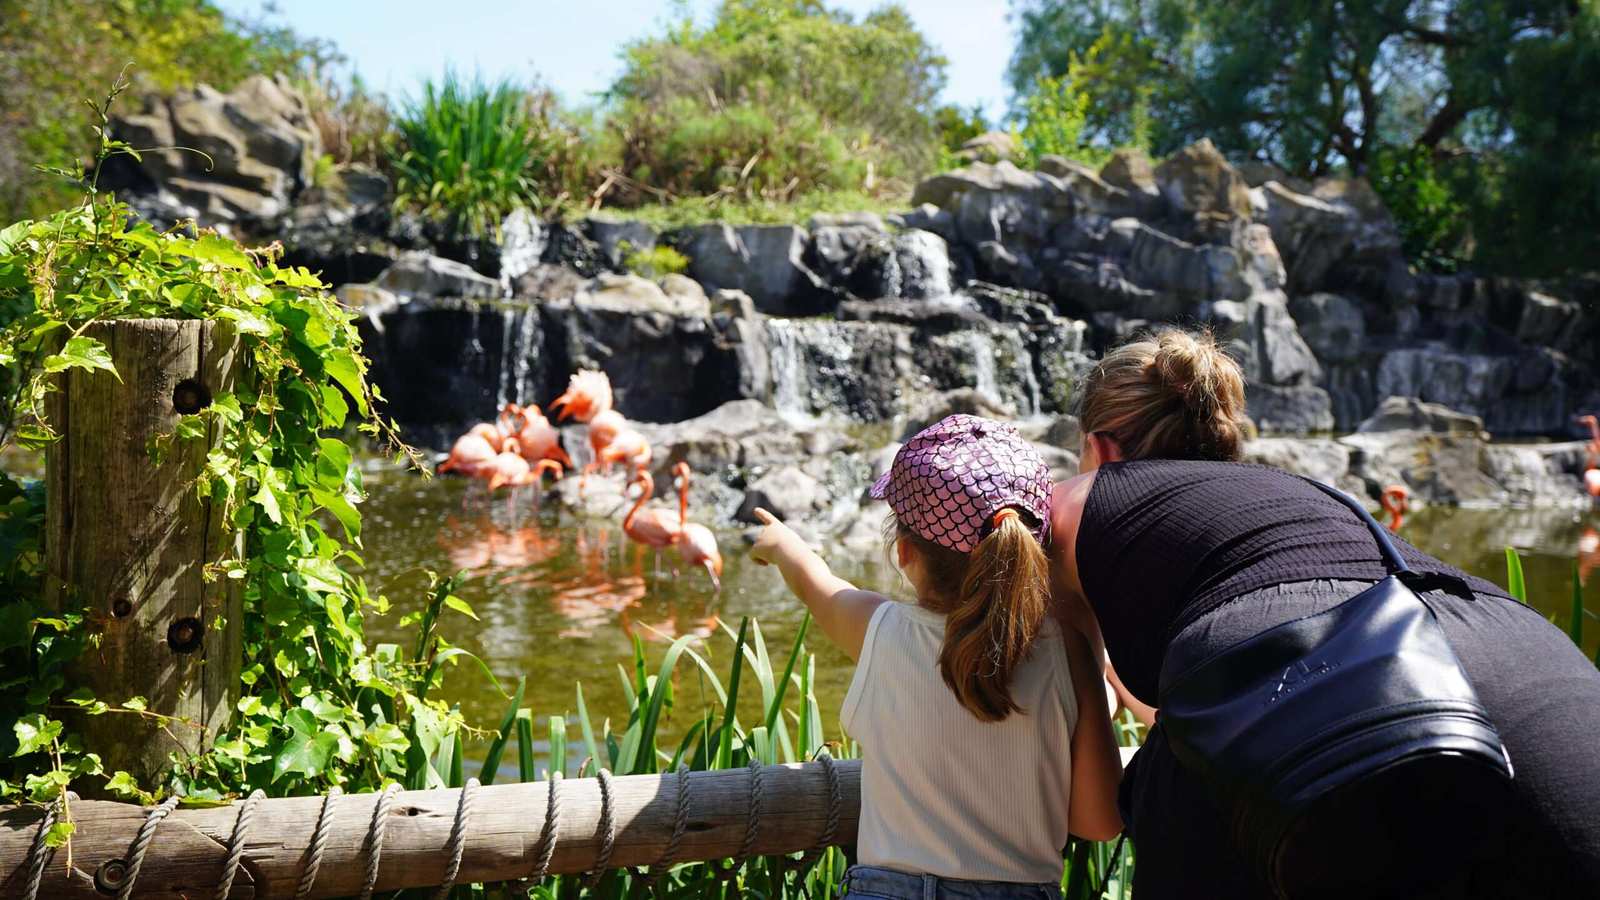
1174 393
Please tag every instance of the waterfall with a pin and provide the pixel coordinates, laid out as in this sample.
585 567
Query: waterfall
502 392
528 336
519 336
983 366
787 358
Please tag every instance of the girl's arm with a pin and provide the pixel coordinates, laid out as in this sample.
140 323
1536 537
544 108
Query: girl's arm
1096 762
840 610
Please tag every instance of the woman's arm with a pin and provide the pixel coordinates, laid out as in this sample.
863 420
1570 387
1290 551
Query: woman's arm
840 610
1096 762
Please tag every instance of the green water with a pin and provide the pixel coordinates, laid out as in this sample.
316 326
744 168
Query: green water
560 597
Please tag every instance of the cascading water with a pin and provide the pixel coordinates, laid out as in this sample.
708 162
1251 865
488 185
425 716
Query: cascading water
520 344
789 380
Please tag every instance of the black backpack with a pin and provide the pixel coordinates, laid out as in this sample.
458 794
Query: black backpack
1347 748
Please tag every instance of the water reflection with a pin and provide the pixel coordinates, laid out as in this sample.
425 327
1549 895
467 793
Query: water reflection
561 598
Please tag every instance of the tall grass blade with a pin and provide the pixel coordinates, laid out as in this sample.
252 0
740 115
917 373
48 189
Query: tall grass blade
587 729
1576 628
558 745
1516 585
638 755
526 769
725 735
491 762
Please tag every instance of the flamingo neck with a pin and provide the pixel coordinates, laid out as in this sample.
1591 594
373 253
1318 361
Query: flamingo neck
647 489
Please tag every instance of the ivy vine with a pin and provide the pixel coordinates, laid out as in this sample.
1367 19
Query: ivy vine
319 706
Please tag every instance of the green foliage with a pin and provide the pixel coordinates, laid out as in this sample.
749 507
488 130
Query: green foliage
467 153
354 123
319 706
1430 213
1467 97
774 99
1054 117
172 43
654 262
1516 585
957 126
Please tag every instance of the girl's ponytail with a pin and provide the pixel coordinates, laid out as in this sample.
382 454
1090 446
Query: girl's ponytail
992 623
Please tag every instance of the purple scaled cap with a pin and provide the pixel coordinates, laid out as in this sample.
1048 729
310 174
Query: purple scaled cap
947 482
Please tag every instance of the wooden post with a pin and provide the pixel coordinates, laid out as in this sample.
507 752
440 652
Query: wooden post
502 832
126 540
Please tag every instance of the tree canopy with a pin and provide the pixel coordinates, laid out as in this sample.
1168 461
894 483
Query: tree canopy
1472 94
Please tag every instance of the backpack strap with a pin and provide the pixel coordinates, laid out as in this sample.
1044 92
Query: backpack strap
1392 560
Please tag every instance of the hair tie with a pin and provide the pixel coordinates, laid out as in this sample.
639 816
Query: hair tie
1001 516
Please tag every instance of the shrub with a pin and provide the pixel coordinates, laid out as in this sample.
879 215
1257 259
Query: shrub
656 262
171 43
1431 217
773 99
467 153
354 123
1054 117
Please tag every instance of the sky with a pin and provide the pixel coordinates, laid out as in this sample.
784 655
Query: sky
573 45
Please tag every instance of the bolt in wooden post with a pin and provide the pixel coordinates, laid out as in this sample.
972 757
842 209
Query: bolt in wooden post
127 539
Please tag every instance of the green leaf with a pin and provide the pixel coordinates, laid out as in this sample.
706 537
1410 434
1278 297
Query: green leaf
123 785
34 733
508 721
246 321
387 736
305 753
1516 586
342 367
460 606
81 353
213 248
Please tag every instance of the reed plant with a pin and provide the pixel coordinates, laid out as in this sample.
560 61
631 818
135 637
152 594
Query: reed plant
685 709
468 153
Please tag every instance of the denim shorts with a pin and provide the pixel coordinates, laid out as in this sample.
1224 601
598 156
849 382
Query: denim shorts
887 884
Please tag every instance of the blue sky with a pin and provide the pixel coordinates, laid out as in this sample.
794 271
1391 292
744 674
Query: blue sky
572 45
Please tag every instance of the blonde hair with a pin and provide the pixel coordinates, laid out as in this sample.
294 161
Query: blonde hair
1173 394
991 622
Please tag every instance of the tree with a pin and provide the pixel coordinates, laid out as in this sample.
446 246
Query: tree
1322 86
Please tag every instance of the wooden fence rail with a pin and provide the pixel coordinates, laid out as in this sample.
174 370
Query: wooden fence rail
186 856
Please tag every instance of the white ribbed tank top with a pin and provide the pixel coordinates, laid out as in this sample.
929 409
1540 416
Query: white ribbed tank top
943 793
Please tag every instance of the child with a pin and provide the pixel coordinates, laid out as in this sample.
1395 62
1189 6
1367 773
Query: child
983 723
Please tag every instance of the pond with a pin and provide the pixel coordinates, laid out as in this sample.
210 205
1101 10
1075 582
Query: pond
561 598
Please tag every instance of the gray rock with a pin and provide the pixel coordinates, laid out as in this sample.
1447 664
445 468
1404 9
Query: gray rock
868 220
786 492
1312 235
1438 468
967 401
549 281
619 237
1332 326
635 295
1161 262
923 259
420 274
370 300
1130 169
733 304
1263 337
1197 181
1546 319
856 258
1411 414
1093 194
685 289
1540 475
1322 459
742 434
764 261
259 144
1281 409
991 146
927 217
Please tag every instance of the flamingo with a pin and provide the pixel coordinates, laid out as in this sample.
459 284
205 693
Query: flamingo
1588 554
650 527
1591 463
628 447
538 438
696 544
474 449
588 394
509 469
1396 502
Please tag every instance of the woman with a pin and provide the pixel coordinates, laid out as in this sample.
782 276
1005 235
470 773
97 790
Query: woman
1168 546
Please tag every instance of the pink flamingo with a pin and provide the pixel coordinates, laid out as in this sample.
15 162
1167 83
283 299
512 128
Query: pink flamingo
628 447
696 544
1396 502
509 469
656 528
538 438
588 394
473 450
1591 463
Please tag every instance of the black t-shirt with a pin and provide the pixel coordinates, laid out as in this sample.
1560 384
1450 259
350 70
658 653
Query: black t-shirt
1162 542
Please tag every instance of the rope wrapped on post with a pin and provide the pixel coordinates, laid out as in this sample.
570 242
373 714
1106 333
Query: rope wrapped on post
315 847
